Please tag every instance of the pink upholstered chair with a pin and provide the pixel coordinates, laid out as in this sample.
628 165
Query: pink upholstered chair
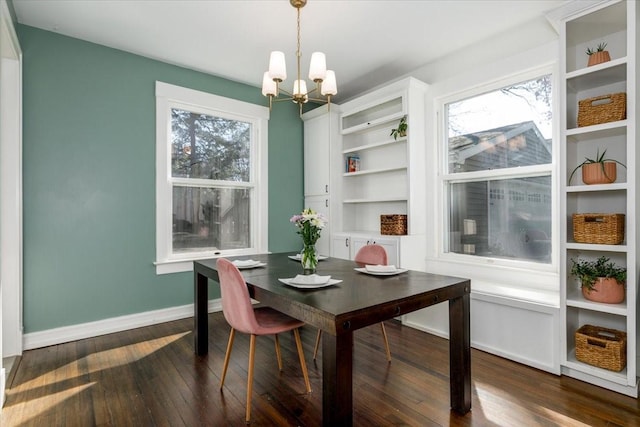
372 255
241 315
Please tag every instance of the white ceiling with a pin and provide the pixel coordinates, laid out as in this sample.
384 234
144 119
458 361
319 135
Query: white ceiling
366 42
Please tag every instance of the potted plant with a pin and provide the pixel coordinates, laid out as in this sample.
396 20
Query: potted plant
401 130
599 55
598 170
601 280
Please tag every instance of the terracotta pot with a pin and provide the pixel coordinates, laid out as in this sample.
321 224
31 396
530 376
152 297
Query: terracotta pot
598 58
592 173
605 289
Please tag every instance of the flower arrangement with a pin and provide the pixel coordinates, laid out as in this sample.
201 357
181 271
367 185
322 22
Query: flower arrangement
310 224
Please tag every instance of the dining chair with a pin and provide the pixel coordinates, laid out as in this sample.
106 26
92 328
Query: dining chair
372 254
244 318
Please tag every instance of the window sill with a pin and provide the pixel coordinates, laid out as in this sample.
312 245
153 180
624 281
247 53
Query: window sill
523 283
186 264
525 295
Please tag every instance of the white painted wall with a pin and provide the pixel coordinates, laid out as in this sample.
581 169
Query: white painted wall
514 312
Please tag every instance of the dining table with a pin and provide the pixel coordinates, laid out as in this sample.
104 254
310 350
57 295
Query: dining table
359 300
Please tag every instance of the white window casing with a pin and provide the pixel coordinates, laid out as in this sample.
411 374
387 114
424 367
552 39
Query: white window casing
170 96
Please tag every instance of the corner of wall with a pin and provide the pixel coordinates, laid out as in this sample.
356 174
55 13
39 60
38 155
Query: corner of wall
2 384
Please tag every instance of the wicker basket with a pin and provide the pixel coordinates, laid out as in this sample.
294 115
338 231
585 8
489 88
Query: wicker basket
602 347
395 225
599 228
602 109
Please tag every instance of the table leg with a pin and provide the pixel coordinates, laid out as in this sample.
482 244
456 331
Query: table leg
337 381
460 354
201 327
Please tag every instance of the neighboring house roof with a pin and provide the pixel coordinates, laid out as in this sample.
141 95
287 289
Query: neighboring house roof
519 144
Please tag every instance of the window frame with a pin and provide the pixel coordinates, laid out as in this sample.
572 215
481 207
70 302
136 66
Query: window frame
169 97
445 178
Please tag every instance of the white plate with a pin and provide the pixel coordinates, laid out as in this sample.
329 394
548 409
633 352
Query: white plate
298 257
380 268
331 282
381 273
246 267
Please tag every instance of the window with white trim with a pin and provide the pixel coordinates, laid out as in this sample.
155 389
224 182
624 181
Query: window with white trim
211 177
497 181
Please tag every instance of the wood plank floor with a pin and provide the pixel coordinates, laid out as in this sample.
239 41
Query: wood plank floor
151 377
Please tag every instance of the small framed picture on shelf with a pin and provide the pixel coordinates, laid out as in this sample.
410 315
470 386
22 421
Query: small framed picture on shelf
353 163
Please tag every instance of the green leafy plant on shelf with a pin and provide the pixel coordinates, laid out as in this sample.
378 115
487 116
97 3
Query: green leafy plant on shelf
401 130
600 48
600 159
589 271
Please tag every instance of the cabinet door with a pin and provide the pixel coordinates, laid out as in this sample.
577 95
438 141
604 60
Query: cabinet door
316 155
320 204
391 246
357 242
340 244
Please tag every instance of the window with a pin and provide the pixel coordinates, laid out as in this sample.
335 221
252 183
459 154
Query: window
497 181
211 177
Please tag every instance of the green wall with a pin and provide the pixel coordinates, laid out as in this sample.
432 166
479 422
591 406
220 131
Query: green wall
89 179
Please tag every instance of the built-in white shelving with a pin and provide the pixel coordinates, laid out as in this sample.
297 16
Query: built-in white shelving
583 25
390 171
387 172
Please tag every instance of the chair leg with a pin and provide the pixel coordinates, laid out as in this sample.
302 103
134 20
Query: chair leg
278 355
303 364
252 352
227 356
315 349
386 341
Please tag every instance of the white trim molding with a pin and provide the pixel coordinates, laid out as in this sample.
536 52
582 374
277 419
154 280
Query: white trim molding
10 192
115 324
169 96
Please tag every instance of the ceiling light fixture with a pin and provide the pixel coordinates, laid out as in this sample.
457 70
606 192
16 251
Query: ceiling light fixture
324 79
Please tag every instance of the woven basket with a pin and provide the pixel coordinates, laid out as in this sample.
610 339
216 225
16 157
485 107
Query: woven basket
599 228
602 109
602 347
395 225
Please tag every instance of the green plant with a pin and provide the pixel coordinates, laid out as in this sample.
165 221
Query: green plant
589 271
600 48
401 130
600 158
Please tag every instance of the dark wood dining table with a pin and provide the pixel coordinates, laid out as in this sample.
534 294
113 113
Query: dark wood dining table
359 300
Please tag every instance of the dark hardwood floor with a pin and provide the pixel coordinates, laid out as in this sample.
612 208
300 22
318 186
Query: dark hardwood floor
151 377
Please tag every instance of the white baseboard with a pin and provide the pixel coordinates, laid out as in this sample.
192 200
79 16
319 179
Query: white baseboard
108 326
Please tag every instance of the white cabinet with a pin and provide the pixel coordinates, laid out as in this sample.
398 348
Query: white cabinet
341 245
317 146
391 175
390 244
582 27
402 251
321 139
321 204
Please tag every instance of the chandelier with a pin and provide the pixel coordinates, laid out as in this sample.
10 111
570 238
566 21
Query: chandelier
325 80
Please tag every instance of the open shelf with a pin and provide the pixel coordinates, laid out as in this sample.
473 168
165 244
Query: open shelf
616 377
373 171
575 299
585 27
374 145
